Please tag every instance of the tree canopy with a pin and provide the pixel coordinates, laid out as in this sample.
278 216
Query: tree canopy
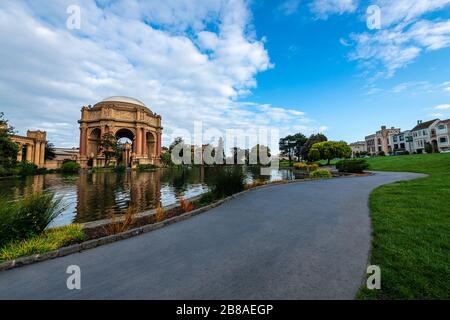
8 148
329 150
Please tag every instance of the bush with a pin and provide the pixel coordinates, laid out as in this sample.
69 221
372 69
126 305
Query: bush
28 217
120 168
320 174
227 182
313 167
146 167
51 239
26 168
381 154
300 166
352 166
70 167
206 199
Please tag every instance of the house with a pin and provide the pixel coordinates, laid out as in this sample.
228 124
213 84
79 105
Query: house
442 140
423 134
358 148
402 142
380 142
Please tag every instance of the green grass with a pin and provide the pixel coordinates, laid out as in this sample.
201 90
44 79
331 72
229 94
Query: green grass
50 240
411 229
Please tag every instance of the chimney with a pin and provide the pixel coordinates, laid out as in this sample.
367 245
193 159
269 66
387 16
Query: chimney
383 127
419 121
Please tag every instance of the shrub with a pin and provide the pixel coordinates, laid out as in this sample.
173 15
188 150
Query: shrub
28 217
120 168
70 167
300 166
381 154
27 168
121 226
160 214
352 166
51 239
146 167
320 174
185 205
227 182
206 199
313 167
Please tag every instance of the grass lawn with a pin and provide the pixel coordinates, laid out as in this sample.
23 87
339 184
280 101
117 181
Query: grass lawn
411 229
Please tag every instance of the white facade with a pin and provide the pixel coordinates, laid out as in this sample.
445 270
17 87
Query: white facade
422 135
402 142
443 135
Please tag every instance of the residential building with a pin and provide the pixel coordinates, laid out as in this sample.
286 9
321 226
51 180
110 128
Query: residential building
402 142
380 142
442 140
423 133
358 148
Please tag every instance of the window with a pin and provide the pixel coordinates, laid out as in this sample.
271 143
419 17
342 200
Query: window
424 132
395 139
402 138
395 146
441 127
443 140
402 146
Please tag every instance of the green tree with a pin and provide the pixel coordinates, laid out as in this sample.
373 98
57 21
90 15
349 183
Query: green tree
329 150
109 147
8 148
49 151
313 139
292 145
166 159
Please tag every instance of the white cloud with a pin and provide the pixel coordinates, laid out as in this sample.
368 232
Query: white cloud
186 60
442 107
322 9
403 37
289 7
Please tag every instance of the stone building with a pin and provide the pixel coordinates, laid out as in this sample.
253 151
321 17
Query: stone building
123 117
424 133
31 147
358 148
380 141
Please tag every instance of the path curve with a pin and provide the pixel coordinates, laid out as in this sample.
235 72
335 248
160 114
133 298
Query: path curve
308 240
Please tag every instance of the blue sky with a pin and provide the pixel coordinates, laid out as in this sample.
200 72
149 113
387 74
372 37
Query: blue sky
297 65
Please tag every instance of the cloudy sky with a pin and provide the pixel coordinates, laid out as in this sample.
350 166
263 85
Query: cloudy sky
297 65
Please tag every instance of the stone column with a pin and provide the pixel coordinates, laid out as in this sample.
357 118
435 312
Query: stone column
158 142
19 154
29 153
144 143
83 141
138 141
37 153
42 159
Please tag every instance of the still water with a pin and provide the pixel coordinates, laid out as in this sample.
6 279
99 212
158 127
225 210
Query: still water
94 196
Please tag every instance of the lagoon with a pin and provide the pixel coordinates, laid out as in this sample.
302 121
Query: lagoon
94 196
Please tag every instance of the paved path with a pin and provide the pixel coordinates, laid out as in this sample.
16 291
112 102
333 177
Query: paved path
297 241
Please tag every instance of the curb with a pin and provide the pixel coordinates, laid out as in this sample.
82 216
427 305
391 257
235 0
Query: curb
90 244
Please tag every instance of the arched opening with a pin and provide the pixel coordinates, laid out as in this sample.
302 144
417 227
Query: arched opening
94 143
125 140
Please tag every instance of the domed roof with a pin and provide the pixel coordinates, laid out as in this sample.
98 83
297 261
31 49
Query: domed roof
124 99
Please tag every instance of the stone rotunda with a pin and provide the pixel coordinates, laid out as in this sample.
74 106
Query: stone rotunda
123 117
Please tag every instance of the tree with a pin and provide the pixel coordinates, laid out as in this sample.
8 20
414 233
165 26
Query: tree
329 150
49 151
8 148
313 139
240 156
255 151
109 147
166 159
292 145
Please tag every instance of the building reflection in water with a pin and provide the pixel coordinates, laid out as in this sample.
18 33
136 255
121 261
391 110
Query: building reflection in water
89 197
